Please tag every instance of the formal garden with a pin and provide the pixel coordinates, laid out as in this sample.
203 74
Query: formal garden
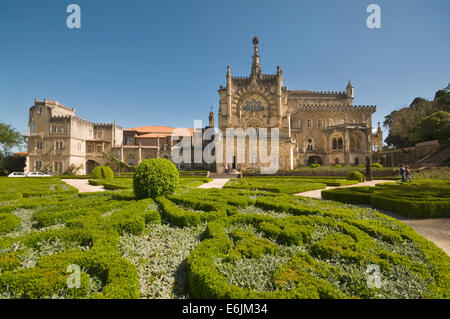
143 238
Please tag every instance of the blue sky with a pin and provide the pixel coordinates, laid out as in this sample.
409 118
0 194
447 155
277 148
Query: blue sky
160 62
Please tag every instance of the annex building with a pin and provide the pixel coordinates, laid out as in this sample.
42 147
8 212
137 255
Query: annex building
61 142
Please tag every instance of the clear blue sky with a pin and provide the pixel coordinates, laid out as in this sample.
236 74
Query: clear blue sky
160 62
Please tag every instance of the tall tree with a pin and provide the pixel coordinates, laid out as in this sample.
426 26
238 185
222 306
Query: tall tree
9 138
403 123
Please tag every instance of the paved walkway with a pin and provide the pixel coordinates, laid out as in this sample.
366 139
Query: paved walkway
318 192
83 185
215 183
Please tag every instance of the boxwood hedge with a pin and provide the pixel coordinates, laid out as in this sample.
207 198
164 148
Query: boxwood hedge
420 199
319 269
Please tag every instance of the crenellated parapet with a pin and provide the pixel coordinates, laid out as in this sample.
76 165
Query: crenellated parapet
336 108
305 93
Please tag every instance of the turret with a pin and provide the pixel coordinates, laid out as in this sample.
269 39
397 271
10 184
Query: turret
279 86
229 91
211 118
349 90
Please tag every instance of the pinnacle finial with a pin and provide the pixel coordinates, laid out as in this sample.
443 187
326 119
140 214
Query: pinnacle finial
256 66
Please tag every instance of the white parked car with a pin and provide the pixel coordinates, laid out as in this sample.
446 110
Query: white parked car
37 174
16 174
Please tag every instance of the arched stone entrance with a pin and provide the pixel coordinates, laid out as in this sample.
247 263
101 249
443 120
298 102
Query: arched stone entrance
314 160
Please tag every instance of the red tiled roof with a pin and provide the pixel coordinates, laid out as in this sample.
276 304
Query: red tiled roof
150 135
151 129
155 131
20 154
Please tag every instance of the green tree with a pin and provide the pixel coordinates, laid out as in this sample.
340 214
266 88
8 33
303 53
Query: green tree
9 138
403 123
434 127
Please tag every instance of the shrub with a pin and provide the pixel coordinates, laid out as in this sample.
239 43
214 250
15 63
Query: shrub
351 195
314 165
376 165
355 176
155 177
102 172
8 222
338 165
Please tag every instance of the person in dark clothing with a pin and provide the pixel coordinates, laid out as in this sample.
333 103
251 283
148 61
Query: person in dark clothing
402 173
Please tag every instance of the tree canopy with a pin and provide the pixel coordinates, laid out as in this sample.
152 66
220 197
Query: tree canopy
9 138
422 121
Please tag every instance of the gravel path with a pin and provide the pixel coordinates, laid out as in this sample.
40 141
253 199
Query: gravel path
83 185
215 183
318 192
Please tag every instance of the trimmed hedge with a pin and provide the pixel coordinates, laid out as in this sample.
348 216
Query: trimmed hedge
423 199
181 217
92 220
356 176
155 177
309 272
8 222
102 172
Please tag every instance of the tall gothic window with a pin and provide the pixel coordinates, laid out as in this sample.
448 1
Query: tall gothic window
309 123
309 144
335 144
340 143
319 123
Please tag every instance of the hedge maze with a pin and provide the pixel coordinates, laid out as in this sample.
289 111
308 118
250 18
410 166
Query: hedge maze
423 199
251 244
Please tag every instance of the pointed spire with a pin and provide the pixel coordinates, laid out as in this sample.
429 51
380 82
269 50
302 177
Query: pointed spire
349 85
349 90
256 66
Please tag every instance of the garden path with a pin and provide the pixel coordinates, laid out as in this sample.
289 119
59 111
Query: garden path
215 183
83 185
318 192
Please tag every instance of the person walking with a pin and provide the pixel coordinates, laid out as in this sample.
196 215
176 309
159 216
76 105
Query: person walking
402 173
408 174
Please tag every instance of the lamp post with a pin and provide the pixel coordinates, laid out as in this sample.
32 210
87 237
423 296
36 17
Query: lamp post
391 147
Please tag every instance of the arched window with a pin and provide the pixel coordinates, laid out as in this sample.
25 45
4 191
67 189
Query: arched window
310 144
337 143
319 123
336 160
309 123
131 160
340 143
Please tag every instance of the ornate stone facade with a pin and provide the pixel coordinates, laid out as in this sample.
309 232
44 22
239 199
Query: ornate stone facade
314 127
